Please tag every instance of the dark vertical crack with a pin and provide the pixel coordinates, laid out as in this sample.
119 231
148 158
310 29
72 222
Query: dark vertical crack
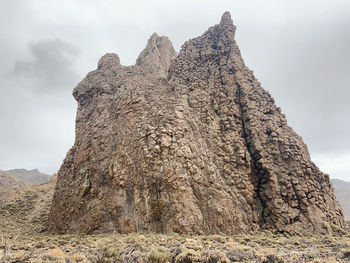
257 173
158 206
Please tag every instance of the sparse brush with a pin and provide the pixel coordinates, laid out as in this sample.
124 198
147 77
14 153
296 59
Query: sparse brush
327 260
159 255
188 255
272 258
215 256
106 252
337 231
6 245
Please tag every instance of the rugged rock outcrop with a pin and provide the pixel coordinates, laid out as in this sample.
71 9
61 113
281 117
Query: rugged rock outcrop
188 143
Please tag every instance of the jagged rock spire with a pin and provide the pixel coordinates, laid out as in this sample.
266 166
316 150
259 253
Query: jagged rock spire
108 60
157 55
226 25
204 151
226 19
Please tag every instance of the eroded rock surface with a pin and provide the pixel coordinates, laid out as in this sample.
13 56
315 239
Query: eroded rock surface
188 143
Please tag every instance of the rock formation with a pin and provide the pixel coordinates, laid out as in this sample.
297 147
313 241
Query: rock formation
187 143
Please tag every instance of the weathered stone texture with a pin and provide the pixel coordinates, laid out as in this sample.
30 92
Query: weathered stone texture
188 143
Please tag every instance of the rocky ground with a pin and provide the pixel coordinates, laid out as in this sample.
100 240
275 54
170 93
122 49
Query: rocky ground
23 214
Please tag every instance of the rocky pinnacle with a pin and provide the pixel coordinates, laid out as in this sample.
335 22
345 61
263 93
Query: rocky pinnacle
187 143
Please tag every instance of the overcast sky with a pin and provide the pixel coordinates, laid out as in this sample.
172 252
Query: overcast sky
298 49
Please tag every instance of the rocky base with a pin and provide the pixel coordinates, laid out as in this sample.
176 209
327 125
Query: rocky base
23 215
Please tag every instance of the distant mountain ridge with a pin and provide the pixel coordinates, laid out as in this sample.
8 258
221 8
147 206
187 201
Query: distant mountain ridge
8 181
342 191
29 176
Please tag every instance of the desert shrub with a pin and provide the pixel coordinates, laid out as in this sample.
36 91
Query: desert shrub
326 260
215 256
188 256
193 244
337 231
76 257
310 256
240 254
106 253
272 259
6 246
158 255
54 255
346 253
133 254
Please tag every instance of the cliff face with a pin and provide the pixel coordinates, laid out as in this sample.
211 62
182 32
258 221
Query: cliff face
188 143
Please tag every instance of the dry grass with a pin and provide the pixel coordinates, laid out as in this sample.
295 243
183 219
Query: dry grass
158 248
159 255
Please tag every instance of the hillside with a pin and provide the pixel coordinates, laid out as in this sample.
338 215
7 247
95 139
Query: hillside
31 176
8 181
25 209
342 191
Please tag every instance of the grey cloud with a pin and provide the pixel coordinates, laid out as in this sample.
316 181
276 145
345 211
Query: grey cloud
50 68
306 68
36 107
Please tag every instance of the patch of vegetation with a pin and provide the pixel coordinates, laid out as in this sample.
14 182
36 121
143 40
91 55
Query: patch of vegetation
346 253
158 255
337 231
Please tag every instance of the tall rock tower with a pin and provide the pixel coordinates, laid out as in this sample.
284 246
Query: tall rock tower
187 143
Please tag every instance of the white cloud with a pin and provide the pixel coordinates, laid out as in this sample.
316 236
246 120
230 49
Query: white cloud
337 165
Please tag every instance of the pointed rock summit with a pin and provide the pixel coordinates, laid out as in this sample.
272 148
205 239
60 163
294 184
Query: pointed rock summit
157 55
190 144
